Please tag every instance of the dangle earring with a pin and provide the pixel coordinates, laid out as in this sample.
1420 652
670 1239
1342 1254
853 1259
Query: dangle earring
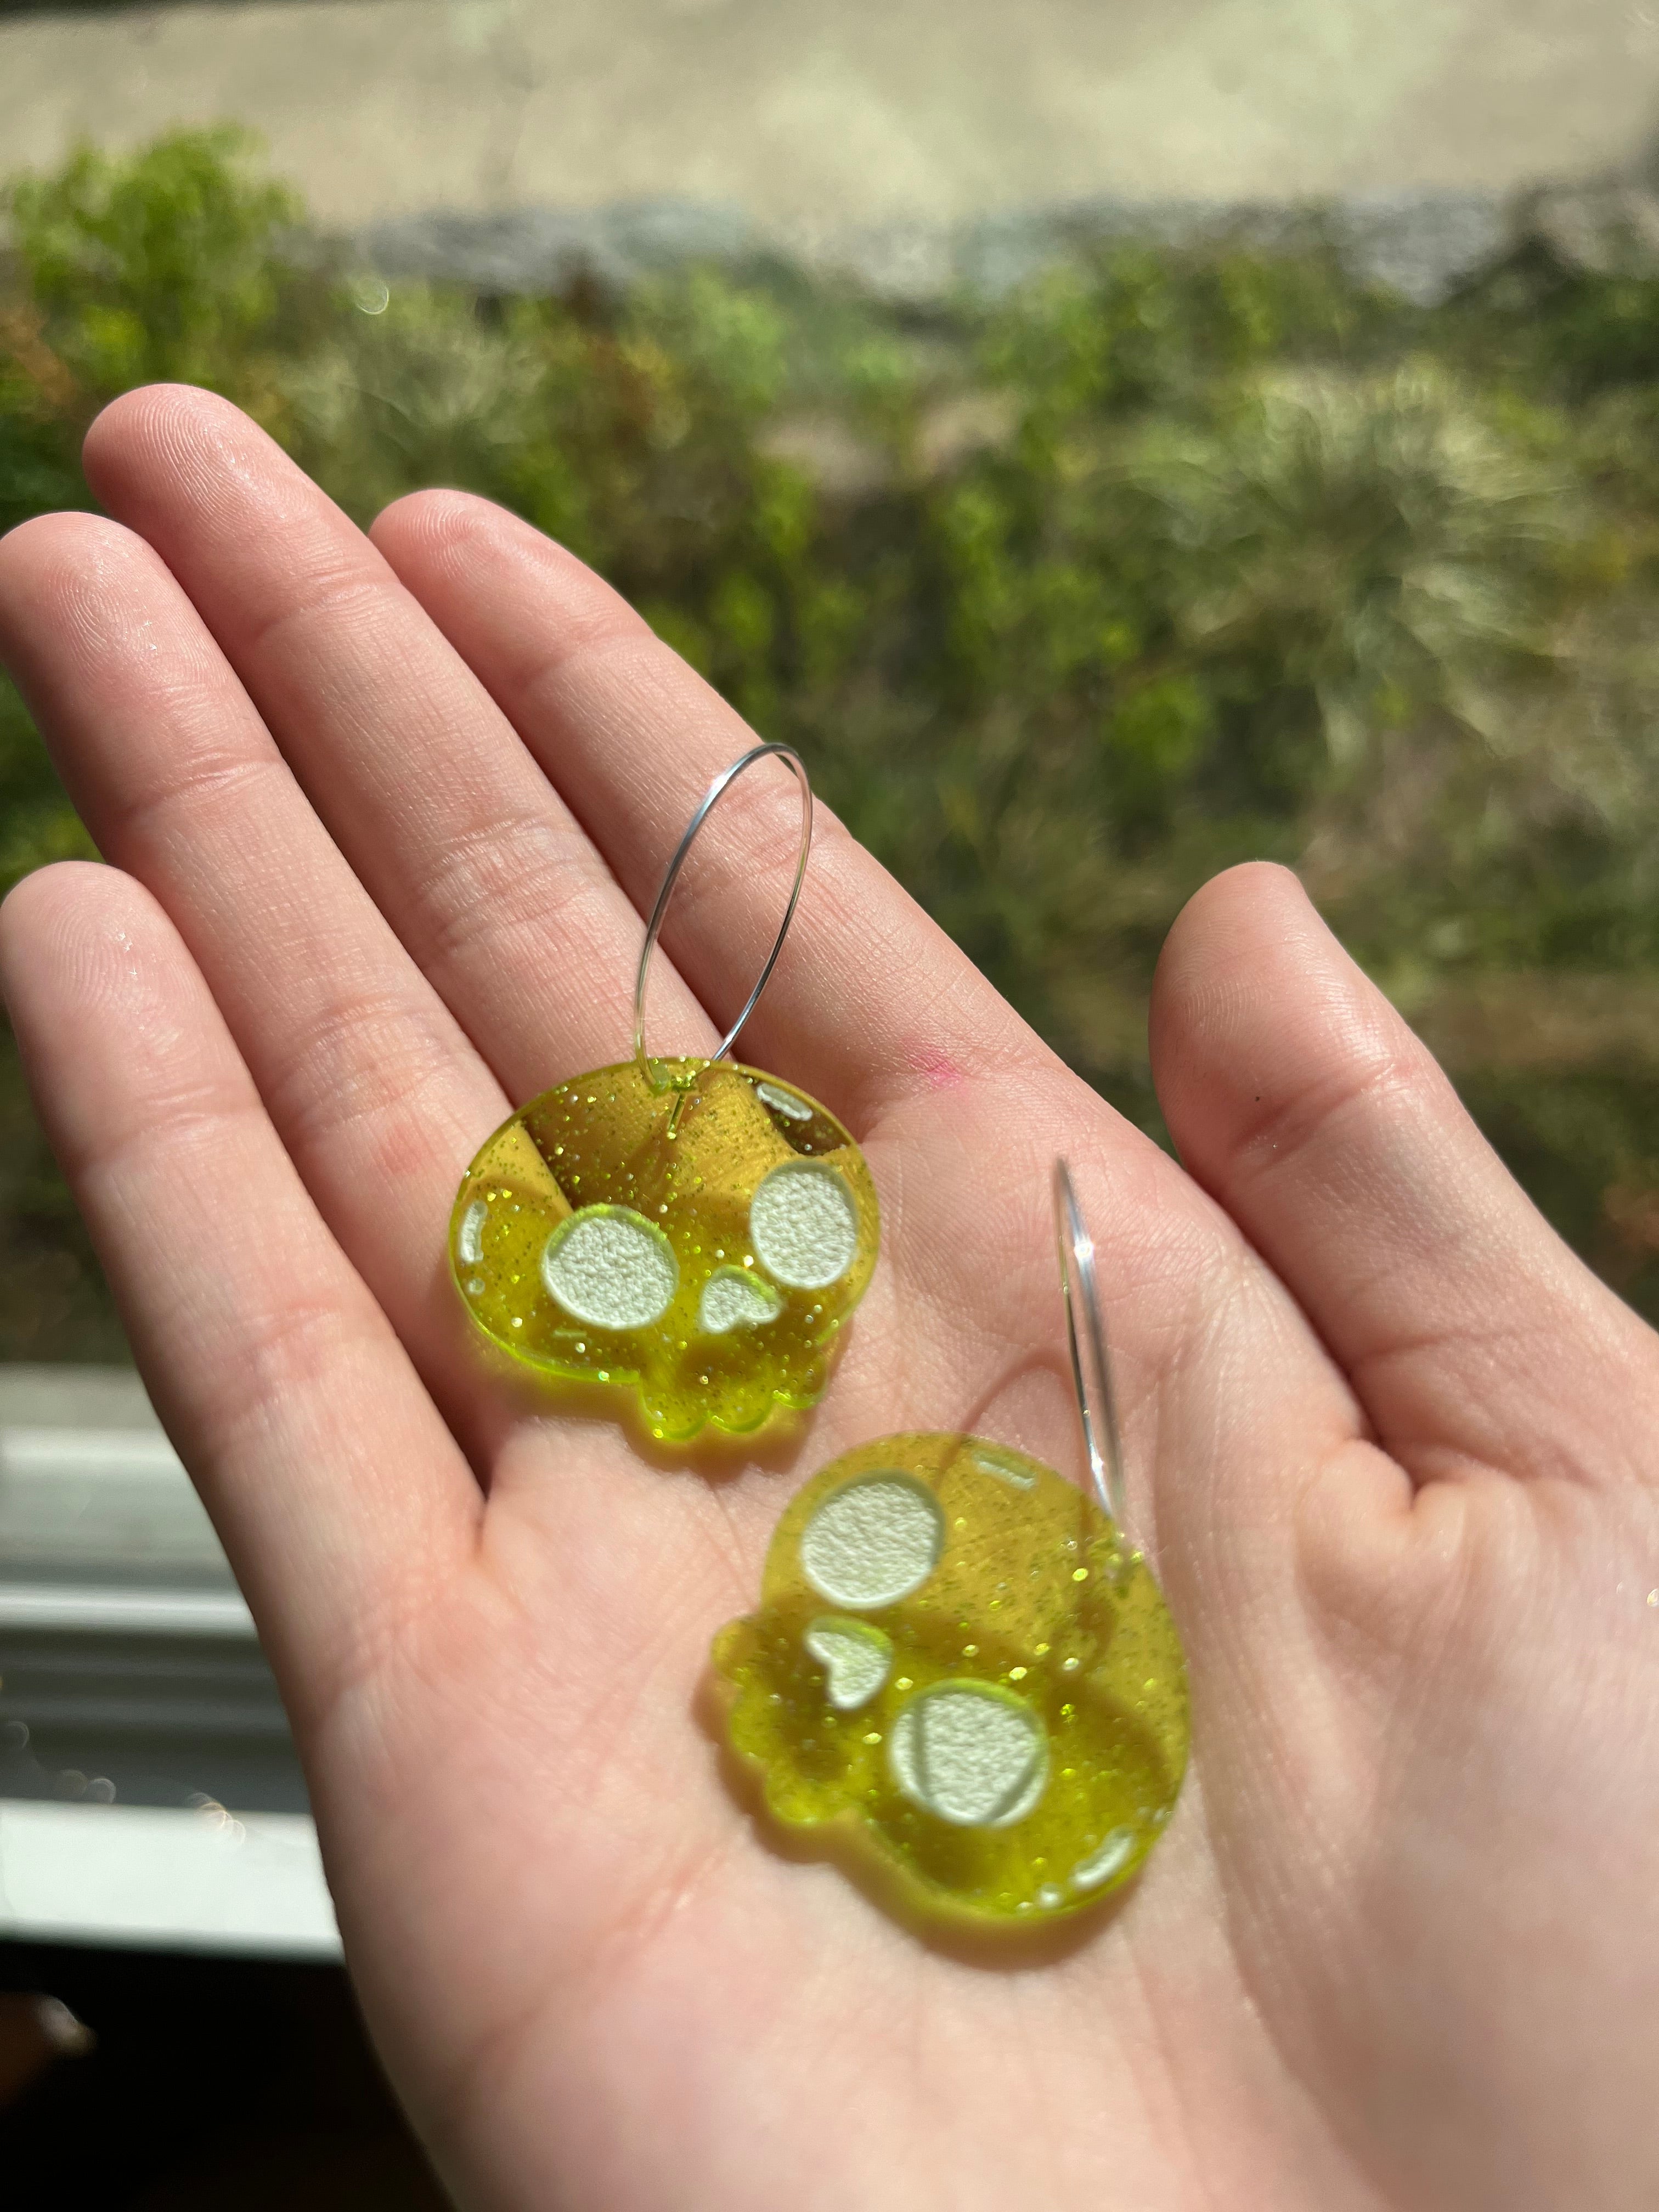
960 1661
691 1229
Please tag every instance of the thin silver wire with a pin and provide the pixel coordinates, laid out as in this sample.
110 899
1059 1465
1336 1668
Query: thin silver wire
1091 1376
653 927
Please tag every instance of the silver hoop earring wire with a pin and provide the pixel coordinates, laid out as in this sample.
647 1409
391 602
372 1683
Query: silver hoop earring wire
1091 1371
653 927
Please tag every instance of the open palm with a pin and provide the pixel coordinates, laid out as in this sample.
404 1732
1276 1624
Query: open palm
383 817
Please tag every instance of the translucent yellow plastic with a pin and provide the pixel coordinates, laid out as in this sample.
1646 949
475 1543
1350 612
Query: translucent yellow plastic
610 1167
1033 1608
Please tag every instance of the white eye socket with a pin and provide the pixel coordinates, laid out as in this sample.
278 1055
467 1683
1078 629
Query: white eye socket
804 1224
735 1298
854 1656
611 1268
872 1541
973 1755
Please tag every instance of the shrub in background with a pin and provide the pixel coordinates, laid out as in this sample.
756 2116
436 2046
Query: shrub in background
1172 558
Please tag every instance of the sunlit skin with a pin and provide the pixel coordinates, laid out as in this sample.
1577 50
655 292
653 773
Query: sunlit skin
381 819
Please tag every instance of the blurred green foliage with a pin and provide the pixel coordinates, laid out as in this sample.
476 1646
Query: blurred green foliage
1171 558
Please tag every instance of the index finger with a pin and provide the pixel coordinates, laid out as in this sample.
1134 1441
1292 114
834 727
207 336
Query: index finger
870 998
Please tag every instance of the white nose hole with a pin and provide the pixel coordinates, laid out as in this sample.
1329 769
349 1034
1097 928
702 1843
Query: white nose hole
734 1298
854 1656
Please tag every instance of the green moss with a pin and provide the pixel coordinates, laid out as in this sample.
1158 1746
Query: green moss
1173 559
157 266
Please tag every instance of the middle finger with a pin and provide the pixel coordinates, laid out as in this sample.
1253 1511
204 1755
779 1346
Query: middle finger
462 842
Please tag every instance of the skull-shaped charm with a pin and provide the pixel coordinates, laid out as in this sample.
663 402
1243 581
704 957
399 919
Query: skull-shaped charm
697 1231
958 1660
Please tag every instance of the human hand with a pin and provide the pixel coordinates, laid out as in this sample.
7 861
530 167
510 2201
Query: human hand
381 820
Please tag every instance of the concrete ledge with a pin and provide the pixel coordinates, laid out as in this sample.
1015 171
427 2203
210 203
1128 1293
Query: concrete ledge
856 111
1421 243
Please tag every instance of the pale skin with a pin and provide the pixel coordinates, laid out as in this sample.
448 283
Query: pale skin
380 816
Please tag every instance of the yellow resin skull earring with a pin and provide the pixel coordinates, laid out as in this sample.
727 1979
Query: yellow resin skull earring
690 1229
960 1662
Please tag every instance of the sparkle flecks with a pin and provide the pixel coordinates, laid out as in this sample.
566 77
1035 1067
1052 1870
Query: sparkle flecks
604 1234
1023 1771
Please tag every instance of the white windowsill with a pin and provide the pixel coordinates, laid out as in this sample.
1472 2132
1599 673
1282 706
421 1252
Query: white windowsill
137 1877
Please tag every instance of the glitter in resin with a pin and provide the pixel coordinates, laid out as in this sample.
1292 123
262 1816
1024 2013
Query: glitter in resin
958 1663
700 1242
